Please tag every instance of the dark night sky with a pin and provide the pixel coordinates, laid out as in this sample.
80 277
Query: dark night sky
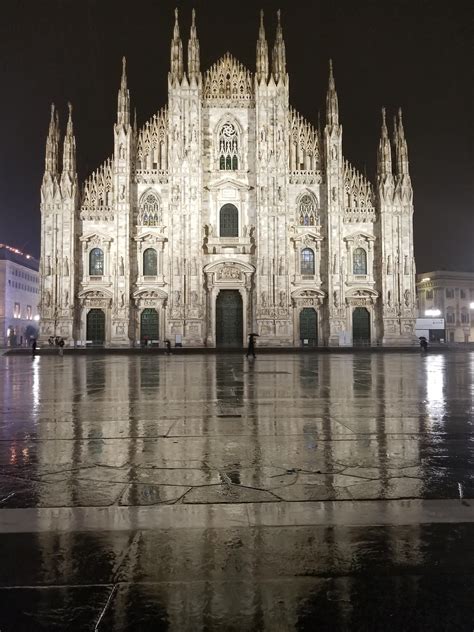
412 53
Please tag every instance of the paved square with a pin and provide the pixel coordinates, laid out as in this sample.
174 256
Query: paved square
211 492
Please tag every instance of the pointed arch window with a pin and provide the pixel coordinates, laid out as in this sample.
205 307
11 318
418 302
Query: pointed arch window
228 148
96 262
149 211
307 261
229 221
359 261
307 211
150 265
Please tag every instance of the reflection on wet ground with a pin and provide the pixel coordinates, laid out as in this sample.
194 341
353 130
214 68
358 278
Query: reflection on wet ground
122 432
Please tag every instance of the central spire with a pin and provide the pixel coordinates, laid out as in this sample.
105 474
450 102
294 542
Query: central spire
384 158
52 144
176 68
123 100
332 106
69 150
193 51
279 54
262 52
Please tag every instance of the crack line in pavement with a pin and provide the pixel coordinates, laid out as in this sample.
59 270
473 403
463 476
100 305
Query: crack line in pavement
101 616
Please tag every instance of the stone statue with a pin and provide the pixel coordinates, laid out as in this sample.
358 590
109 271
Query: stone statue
66 299
194 298
66 267
177 298
48 266
389 298
264 299
407 298
122 271
282 298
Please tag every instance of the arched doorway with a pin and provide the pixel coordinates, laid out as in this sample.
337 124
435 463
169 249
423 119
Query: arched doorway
309 327
229 319
360 326
149 329
96 326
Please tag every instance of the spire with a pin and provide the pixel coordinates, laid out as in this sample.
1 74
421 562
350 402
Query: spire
193 51
52 144
279 55
262 52
332 107
401 148
123 101
384 158
135 125
176 69
69 150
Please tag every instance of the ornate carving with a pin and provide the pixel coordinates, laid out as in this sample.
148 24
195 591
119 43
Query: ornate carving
229 272
97 195
304 144
359 196
152 144
228 80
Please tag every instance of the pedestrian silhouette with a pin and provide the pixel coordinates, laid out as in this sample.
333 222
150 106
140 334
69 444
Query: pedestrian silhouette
251 345
33 347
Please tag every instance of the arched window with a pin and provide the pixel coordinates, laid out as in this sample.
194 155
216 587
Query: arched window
228 148
149 262
96 262
307 211
149 211
229 221
307 261
359 261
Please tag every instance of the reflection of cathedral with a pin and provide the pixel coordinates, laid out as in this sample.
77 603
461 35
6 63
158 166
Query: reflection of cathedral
226 213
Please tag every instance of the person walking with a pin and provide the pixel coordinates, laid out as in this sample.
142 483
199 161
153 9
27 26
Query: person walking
168 347
61 345
251 345
33 347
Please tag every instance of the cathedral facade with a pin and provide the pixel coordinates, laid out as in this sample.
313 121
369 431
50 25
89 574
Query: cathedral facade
227 213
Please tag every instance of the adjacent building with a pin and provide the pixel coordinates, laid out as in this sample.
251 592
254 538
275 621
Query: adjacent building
227 213
449 295
19 297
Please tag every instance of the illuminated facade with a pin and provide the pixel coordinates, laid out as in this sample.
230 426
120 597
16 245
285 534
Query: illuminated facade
228 212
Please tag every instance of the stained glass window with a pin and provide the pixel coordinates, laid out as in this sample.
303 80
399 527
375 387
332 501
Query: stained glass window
228 148
229 221
359 261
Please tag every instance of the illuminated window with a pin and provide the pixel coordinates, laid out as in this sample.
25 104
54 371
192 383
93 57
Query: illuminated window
149 212
96 262
307 261
29 312
449 292
17 311
429 294
307 211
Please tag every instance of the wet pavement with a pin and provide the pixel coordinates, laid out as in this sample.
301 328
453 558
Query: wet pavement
293 492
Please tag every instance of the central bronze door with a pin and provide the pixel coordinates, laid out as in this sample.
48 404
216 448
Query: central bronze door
229 319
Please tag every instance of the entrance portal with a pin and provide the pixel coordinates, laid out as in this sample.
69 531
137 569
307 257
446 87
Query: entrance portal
229 319
96 326
149 325
360 326
309 327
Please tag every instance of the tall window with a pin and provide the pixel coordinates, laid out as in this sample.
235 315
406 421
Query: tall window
450 317
96 262
228 148
149 214
307 261
359 261
229 221
307 211
449 293
464 317
149 262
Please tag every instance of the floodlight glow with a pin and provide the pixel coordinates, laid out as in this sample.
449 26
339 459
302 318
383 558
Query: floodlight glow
37 317
426 279
433 312
471 305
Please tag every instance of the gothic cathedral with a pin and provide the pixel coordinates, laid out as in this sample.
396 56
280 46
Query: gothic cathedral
227 213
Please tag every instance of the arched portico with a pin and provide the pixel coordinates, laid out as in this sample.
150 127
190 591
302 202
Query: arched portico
228 275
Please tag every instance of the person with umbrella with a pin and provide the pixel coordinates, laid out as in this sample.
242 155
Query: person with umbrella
251 345
423 343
